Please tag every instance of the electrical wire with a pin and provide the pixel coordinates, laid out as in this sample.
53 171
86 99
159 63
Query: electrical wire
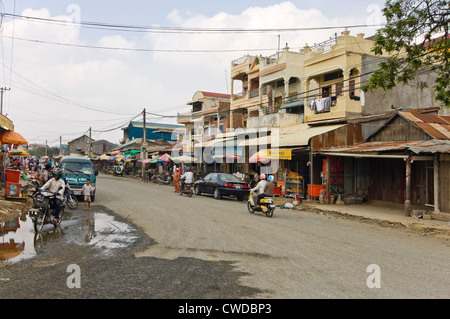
162 29
141 49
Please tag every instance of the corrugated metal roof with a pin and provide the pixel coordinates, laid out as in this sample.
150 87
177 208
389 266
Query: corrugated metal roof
437 126
429 146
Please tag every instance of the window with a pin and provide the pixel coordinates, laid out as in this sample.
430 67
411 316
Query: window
352 89
326 91
339 88
333 75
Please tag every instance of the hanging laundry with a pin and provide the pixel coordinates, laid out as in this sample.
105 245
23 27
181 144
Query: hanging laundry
319 105
326 104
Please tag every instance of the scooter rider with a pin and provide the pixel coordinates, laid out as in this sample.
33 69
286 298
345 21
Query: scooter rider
259 188
268 190
56 184
186 178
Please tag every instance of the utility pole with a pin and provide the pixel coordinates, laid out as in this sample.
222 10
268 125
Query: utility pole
90 143
278 52
1 102
60 145
144 144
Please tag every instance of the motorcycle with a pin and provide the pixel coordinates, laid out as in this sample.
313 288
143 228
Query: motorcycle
44 213
118 170
69 198
165 179
187 189
266 206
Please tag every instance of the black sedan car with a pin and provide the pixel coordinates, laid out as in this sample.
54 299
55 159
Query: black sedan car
220 184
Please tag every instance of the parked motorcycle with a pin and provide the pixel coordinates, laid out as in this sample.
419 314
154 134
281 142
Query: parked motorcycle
43 212
187 189
266 206
69 198
165 178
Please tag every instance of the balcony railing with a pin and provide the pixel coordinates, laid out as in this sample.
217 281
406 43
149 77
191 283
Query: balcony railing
240 60
183 117
271 58
324 46
254 93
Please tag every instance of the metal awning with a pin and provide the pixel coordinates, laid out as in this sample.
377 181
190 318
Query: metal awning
299 135
380 149
293 104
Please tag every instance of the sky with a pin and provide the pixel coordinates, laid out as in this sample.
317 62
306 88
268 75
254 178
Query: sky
65 78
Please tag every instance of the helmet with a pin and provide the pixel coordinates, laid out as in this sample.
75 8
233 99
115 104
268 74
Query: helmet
262 176
57 171
271 178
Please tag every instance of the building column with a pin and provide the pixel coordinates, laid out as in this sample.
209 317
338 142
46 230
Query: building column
436 183
408 187
286 89
346 86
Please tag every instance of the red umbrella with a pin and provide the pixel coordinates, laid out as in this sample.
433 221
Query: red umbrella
166 157
258 158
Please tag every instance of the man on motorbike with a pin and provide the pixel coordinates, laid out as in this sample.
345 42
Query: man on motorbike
56 185
186 178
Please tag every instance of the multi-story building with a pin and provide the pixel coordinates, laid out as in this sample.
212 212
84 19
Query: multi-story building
245 90
333 78
210 116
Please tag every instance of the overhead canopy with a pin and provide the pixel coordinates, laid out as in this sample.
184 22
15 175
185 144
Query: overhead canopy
18 152
9 137
132 152
183 158
166 158
299 135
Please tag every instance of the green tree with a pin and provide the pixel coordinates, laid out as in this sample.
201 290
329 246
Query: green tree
415 38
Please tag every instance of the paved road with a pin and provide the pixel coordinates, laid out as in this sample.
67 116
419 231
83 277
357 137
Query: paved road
292 255
144 241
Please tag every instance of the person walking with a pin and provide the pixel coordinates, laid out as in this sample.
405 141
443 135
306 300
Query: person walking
176 180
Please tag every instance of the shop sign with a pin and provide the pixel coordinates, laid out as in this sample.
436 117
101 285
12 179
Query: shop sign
6 123
277 154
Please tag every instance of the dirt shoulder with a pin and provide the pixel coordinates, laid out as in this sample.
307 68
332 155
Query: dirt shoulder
415 227
12 208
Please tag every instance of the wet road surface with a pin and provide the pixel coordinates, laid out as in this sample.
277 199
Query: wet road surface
103 244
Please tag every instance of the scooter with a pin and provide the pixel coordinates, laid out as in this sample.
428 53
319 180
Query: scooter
165 179
266 205
187 189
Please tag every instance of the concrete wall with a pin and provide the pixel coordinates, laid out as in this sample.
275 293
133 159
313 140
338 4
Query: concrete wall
410 96
280 119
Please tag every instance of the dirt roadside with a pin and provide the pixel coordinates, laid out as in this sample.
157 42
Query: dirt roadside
12 208
417 227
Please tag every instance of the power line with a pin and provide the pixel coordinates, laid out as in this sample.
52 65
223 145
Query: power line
162 29
139 49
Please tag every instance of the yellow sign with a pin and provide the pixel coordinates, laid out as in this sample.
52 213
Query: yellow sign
6 123
277 154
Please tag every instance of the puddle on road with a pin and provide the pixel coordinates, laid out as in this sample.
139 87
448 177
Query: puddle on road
19 241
